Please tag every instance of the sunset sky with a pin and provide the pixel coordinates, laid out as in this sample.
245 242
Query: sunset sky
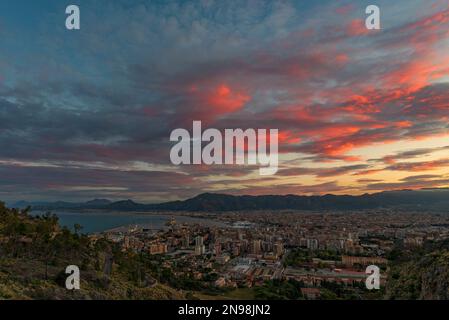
88 114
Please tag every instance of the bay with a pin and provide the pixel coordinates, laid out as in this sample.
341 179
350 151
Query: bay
94 222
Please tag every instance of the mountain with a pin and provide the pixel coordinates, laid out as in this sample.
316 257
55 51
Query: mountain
98 202
40 205
419 273
125 205
436 199
424 199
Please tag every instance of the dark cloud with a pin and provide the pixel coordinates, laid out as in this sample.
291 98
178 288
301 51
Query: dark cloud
87 110
408 185
410 154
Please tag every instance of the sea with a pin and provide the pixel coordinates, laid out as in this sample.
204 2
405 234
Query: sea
96 222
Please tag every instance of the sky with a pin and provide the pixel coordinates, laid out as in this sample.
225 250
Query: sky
88 113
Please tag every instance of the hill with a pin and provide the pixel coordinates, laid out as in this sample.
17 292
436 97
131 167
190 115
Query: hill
34 252
420 273
424 199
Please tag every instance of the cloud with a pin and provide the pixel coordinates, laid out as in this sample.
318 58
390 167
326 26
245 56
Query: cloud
410 154
412 182
323 172
419 165
309 70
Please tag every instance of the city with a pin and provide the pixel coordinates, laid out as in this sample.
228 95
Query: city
311 248
210 158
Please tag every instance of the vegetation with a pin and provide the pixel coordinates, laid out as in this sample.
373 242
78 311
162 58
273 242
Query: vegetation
420 273
35 250
298 257
279 290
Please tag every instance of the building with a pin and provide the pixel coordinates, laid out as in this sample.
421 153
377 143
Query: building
279 249
186 241
223 259
217 249
310 293
364 261
312 244
200 249
158 248
257 247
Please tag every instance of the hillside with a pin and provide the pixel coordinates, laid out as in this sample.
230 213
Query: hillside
34 252
420 273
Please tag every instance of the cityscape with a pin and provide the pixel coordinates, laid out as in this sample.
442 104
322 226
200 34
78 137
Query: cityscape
315 249
238 150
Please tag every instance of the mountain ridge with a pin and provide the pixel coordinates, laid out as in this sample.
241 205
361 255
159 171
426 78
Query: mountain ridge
431 199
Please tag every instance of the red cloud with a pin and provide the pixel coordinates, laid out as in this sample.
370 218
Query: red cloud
288 137
356 28
223 100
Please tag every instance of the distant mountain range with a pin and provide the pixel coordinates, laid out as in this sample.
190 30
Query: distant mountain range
419 200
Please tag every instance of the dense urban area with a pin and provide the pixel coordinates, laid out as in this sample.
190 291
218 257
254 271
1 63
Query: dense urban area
317 254
233 255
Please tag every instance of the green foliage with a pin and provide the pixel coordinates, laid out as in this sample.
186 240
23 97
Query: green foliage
35 250
279 290
420 273
298 257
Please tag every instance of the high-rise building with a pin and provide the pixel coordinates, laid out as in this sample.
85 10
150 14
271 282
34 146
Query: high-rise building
198 241
312 244
257 247
217 249
158 248
200 249
279 249
186 241
236 250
